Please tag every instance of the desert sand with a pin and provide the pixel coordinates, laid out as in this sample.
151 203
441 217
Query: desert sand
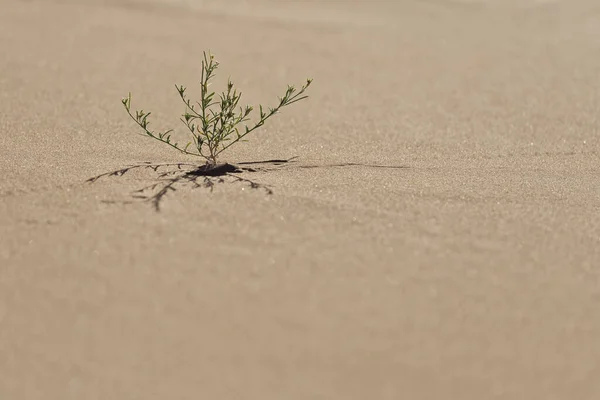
437 236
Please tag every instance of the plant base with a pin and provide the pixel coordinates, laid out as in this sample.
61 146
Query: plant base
215 169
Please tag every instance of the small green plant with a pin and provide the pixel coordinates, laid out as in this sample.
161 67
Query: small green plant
214 124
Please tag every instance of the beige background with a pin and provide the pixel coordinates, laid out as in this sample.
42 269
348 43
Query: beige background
471 273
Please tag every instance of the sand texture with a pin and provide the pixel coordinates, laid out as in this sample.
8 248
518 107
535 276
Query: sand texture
437 236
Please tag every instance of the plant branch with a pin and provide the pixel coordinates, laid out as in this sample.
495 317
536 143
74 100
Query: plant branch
141 119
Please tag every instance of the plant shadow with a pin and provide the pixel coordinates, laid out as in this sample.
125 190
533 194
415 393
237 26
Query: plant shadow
171 176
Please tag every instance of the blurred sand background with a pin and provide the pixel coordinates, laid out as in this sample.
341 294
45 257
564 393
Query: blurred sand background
472 272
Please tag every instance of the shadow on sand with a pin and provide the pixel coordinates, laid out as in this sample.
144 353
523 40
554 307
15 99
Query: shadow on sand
170 176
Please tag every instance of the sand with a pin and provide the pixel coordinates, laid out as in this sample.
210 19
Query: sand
438 236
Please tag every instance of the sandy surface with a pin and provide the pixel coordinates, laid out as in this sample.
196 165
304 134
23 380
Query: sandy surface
437 238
